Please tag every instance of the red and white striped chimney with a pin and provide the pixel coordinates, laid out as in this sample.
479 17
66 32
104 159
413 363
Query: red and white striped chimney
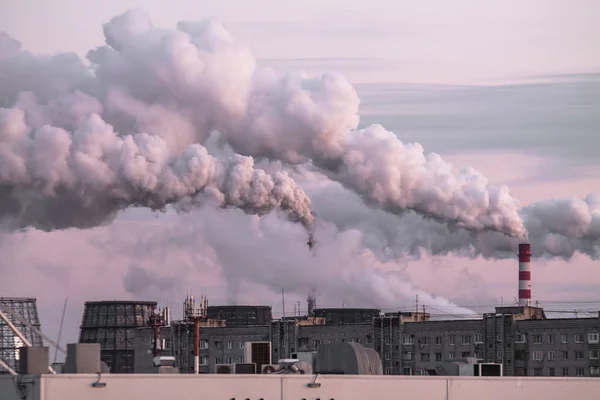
524 274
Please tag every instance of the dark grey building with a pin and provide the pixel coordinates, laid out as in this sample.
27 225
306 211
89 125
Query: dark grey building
521 338
113 325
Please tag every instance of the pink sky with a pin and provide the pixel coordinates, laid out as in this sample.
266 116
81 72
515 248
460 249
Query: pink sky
181 253
52 266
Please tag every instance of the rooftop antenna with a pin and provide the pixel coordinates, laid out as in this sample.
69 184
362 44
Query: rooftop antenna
62 320
417 303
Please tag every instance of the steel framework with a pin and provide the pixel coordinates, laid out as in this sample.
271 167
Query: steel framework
113 324
19 311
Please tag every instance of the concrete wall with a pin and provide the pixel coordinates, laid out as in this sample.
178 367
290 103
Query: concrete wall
273 387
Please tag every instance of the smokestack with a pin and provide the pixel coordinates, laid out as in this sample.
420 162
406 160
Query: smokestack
311 304
524 274
196 345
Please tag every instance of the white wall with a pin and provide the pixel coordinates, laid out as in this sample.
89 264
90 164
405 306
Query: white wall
273 387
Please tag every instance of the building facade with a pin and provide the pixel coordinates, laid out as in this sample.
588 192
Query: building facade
409 343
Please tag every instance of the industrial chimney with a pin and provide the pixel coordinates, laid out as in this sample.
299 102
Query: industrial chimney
524 274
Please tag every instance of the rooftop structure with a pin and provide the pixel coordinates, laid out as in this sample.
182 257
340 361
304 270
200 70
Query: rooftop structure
113 324
241 315
338 316
22 313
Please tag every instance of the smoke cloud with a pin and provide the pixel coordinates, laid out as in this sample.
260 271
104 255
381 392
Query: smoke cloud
558 228
183 84
51 178
164 92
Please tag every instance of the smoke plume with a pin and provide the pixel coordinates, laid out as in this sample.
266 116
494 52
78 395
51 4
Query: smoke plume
52 178
557 228
181 85
185 83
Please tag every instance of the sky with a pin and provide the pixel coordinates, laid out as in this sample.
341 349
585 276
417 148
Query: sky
509 88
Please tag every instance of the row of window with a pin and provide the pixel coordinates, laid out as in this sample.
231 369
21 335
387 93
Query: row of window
594 371
564 354
536 355
592 337
219 360
426 357
464 339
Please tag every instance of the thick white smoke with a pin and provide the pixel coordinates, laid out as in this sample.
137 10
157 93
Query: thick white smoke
199 71
182 84
556 227
51 178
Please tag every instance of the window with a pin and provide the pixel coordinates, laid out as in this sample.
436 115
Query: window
551 355
204 344
330 341
479 354
499 355
465 354
388 371
219 345
438 356
203 361
594 354
218 360
519 338
578 338
229 345
408 339
551 372
451 340
593 337
579 372
451 355
407 356
537 339
387 340
579 354
438 340
424 340
242 344
230 360
369 339
478 338
564 354
551 338
538 355
594 371
565 372
465 339
388 355
406 371
537 372
498 338
563 338
424 357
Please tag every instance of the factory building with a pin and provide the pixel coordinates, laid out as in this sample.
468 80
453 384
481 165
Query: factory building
409 343
520 337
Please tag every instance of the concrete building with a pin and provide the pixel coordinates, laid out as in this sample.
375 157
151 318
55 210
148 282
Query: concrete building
520 338
409 343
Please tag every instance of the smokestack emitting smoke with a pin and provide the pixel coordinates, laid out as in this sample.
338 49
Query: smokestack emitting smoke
79 143
524 274
181 85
